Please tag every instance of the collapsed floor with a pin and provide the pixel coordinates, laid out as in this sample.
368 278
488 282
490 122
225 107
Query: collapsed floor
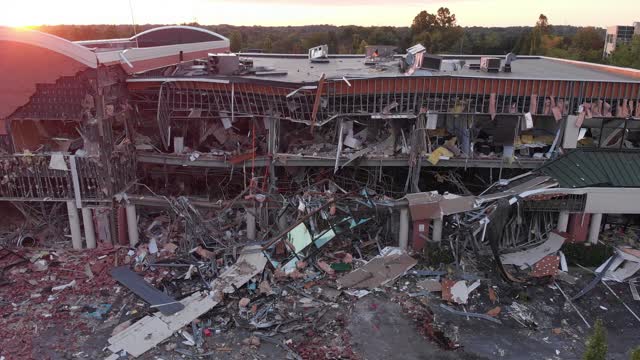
345 292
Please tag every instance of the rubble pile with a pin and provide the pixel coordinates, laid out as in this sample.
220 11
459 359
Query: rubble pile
203 283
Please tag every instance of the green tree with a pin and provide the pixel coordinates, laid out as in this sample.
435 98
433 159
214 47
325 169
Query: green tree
236 41
439 32
627 55
445 18
635 354
541 29
363 47
355 43
315 39
586 45
267 45
596 343
423 22
332 41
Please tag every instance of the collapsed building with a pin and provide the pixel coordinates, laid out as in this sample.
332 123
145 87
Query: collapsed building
479 153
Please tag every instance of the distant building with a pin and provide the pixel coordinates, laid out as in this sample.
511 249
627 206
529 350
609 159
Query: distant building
619 34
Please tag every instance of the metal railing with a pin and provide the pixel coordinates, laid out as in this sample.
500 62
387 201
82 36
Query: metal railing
58 177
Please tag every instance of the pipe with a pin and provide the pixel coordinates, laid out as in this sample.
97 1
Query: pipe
437 230
403 236
563 221
132 224
74 225
251 224
594 228
89 231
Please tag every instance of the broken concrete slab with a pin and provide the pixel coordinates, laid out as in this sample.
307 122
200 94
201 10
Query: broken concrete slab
460 291
379 271
431 285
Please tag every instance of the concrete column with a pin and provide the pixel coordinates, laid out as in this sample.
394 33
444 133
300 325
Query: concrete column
594 228
251 224
403 236
74 225
89 231
563 221
132 224
437 230
571 132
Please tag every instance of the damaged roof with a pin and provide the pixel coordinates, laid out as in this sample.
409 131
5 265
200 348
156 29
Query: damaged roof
595 168
299 69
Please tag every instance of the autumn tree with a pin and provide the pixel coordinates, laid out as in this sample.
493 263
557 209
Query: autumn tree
542 29
236 41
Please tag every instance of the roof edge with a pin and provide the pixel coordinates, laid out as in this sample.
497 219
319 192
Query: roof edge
51 42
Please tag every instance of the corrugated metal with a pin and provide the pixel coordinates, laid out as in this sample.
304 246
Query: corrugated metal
595 167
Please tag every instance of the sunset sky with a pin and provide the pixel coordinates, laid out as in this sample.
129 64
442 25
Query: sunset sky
305 12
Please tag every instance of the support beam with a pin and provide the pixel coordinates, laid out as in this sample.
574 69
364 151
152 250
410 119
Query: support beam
571 132
437 230
594 228
251 224
74 225
563 221
132 224
403 236
89 231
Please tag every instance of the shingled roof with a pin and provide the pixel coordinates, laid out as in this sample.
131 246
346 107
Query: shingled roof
595 168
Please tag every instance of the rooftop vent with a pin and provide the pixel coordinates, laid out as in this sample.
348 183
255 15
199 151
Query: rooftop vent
319 54
378 53
417 58
223 64
490 64
511 57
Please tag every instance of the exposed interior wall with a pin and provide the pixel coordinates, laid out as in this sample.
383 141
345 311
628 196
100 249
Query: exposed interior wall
48 134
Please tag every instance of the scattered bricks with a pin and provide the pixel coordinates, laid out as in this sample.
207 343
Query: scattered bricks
204 253
252 341
447 284
325 267
265 288
279 274
295 274
494 312
170 247
301 265
244 302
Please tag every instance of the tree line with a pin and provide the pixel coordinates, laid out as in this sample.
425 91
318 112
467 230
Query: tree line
439 32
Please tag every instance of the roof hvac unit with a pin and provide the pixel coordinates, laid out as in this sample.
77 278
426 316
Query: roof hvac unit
490 64
431 62
319 53
223 64
417 58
